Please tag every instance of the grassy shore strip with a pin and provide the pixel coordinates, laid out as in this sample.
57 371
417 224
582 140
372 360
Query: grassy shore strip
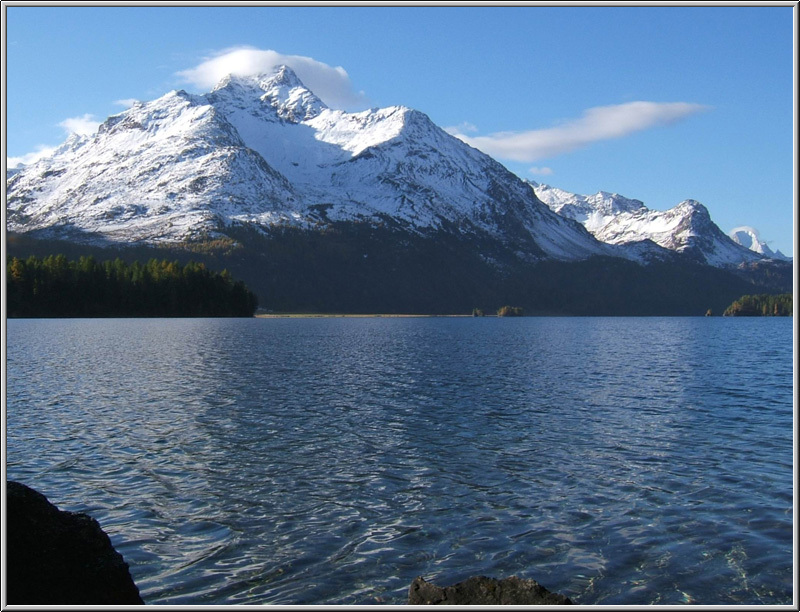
301 315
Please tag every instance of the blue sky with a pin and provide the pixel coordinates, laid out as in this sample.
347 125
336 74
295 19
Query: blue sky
661 104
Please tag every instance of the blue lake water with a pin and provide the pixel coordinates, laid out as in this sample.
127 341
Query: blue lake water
331 461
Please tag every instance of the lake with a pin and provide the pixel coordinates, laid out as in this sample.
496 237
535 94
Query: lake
333 460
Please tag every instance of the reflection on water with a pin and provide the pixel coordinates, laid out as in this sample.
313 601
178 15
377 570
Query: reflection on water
325 461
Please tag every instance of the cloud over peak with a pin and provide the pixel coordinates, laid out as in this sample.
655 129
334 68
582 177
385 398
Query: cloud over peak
595 125
331 84
83 126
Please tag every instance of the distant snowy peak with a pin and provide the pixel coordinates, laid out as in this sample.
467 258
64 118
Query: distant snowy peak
602 201
687 228
748 237
592 211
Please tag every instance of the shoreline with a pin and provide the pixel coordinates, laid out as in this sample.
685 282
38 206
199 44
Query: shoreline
300 315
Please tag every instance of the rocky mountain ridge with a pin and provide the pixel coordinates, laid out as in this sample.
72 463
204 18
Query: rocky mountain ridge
686 228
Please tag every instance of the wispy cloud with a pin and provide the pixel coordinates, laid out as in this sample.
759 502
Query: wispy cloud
126 102
461 128
543 171
331 84
83 126
595 125
29 158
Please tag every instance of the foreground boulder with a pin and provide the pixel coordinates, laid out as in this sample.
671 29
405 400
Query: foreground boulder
480 590
58 557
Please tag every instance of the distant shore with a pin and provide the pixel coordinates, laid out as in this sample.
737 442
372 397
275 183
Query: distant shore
300 315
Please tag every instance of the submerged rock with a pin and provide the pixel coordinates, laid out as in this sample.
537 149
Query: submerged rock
59 557
480 590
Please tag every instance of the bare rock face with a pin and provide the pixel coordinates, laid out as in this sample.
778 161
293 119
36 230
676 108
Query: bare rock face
480 590
59 557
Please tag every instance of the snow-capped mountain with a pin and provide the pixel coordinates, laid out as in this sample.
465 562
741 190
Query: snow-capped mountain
748 237
686 228
265 150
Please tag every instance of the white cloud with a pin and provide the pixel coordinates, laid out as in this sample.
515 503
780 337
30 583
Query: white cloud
83 126
126 102
29 158
596 124
750 239
461 128
331 84
745 228
543 171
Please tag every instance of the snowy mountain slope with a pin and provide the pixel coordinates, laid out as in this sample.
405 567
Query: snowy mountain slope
161 171
390 163
686 228
266 150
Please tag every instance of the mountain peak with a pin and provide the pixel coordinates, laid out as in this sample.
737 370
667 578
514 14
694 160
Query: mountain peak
693 207
280 89
284 75
279 75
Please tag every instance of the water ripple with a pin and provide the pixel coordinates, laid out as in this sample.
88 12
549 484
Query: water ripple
332 461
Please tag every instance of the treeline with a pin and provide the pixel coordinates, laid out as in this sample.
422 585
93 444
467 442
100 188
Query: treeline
763 305
54 286
359 268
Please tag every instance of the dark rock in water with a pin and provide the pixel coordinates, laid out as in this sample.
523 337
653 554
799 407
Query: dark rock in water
480 590
59 557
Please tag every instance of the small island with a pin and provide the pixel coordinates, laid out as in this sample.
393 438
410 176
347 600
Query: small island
57 287
510 311
763 305
503 311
